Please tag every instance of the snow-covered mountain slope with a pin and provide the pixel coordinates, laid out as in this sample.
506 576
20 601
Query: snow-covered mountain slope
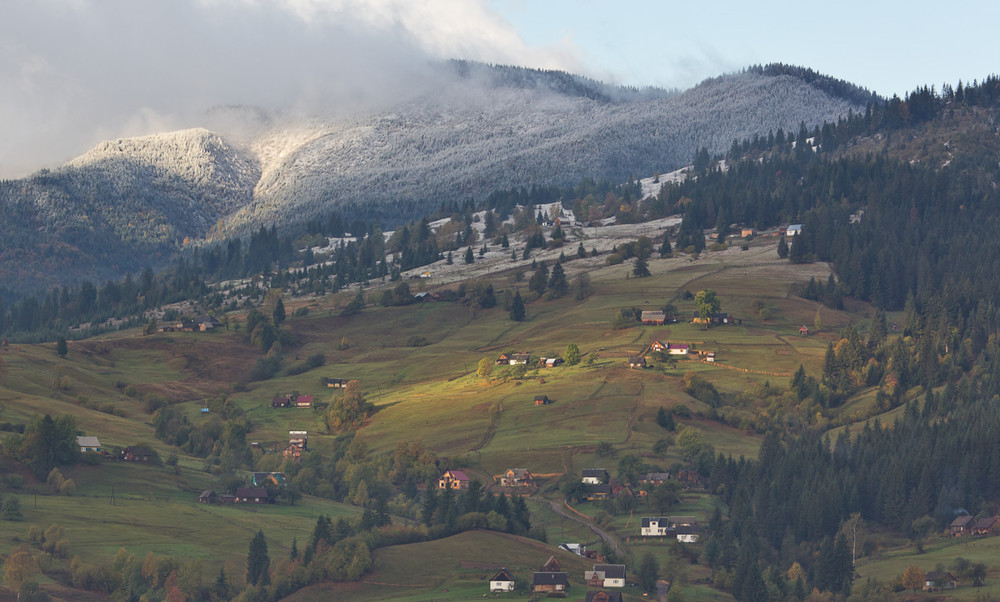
131 203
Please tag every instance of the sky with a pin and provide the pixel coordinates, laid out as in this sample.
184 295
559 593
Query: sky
76 72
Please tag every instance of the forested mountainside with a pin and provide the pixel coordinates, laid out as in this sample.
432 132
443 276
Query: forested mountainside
132 203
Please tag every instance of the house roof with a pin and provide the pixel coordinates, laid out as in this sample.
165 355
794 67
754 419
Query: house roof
611 571
455 474
655 476
519 473
663 521
678 346
940 576
602 488
602 596
653 315
552 565
962 521
246 492
87 441
683 520
502 575
687 530
595 472
984 523
207 493
139 450
550 578
304 399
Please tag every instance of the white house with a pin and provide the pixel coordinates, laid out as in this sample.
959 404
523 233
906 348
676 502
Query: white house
88 444
678 348
502 582
687 534
793 230
594 476
652 527
606 575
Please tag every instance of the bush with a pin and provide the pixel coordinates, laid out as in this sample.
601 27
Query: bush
265 367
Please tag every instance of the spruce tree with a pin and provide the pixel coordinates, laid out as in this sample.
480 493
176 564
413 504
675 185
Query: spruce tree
258 561
517 308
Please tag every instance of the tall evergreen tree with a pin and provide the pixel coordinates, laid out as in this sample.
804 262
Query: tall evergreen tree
258 562
517 308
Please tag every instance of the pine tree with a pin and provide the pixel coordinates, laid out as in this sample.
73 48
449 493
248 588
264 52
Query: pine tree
61 348
665 250
641 268
782 247
279 312
517 308
469 256
558 285
258 562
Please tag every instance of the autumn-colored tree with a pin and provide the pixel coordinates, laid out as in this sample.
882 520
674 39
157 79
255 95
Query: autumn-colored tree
914 578
485 368
349 409
20 567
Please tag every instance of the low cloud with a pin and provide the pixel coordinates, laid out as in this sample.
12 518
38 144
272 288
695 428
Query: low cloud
75 72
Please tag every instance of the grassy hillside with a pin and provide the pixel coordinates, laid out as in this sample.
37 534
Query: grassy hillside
429 393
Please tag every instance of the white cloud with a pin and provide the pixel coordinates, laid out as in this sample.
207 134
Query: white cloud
78 71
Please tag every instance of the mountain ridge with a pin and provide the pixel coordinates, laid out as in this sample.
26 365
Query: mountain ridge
131 203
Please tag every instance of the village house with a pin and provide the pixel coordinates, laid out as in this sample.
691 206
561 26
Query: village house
594 476
602 596
208 497
654 527
793 230
516 477
550 362
88 444
653 318
251 495
304 401
503 581
606 575
336 383
804 330
599 492
281 402
298 442
654 478
513 359
553 584
453 479
939 580
542 400
687 533
636 361
678 348
961 525
709 356
658 346
551 565
207 322
574 548
985 526
137 453
684 521
748 232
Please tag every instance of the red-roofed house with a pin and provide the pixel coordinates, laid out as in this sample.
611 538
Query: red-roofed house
678 348
304 401
453 479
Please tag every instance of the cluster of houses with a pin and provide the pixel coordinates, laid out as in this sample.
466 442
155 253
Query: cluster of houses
551 580
262 485
132 453
680 350
684 529
512 477
292 401
203 323
513 359
970 525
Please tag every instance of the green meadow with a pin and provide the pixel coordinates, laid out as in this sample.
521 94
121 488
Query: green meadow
428 392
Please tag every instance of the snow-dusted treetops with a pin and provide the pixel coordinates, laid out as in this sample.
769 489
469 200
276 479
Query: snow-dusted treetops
131 203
